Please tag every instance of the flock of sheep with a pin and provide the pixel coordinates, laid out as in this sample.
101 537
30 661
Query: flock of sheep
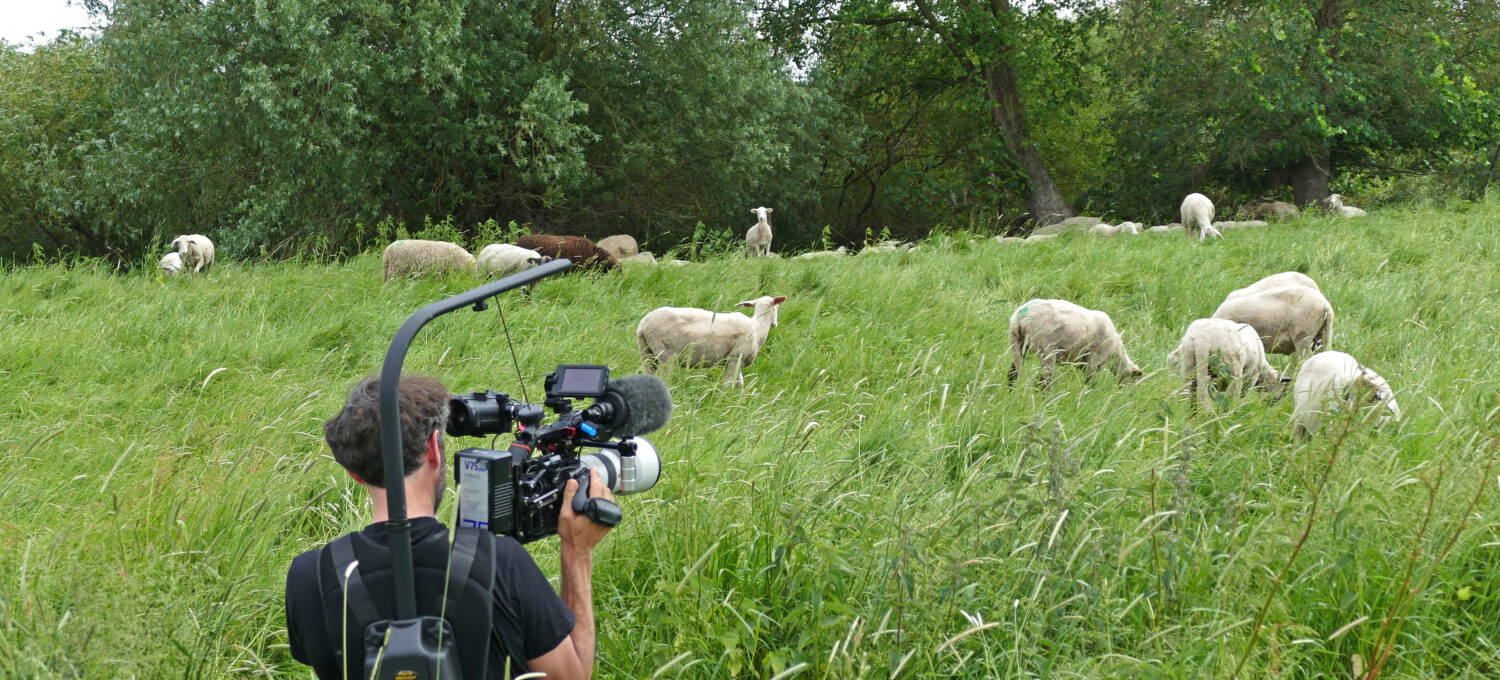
1283 313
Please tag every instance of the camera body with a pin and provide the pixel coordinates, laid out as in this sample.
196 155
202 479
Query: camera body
518 491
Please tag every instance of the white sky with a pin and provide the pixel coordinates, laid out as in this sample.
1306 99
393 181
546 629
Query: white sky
26 21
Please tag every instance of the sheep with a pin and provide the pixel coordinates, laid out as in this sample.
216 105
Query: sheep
705 338
415 256
502 259
1103 229
1164 228
1130 228
620 245
1290 319
1268 210
758 239
1229 352
171 264
1060 330
1275 281
1339 378
583 252
816 254
1007 240
196 251
643 257
1335 204
1039 237
1198 217
1243 224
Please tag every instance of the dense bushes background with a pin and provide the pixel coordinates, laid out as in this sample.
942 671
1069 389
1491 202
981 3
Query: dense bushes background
297 126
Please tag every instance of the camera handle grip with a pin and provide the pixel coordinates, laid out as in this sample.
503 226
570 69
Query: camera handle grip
602 511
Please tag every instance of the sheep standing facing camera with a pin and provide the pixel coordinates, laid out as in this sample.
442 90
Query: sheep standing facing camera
1058 330
196 251
701 338
1198 217
416 256
1330 381
758 239
171 264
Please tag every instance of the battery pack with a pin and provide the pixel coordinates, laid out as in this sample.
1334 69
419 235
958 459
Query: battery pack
486 489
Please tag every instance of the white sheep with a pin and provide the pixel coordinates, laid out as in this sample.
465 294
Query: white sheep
1130 228
1164 228
758 239
196 251
1275 281
1224 354
1058 330
171 264
817 254
704 338
620 245
1330 382
1007 240
503 259
643 257
1103 229
1198 217
1335 204
1290 319
415 256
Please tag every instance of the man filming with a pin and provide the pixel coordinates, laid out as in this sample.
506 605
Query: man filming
531 628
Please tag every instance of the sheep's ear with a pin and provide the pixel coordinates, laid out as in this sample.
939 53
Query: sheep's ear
778 299
747 303
769 211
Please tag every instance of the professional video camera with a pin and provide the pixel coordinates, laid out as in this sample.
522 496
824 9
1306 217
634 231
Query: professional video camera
518 492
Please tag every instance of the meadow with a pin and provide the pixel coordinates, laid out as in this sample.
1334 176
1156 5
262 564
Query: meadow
876 503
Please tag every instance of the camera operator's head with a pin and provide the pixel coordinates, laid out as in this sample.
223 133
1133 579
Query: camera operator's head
354 434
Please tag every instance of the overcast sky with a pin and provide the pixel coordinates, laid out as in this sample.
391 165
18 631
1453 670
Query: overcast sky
21 21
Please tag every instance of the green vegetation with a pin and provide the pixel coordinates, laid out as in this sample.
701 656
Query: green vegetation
876 503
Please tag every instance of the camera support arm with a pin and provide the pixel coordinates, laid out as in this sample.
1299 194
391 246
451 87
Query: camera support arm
399 527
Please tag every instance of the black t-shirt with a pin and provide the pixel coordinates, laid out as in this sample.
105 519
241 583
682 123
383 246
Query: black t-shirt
529 618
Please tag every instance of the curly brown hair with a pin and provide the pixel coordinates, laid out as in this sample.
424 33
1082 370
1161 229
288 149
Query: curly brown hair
354 434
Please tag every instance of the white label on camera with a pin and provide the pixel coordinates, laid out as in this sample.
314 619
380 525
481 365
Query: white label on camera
473 493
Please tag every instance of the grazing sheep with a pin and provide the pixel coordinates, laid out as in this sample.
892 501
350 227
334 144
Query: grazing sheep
415 256
1268 210
171 264
620 245
1060 330
643 257
705 338
503 259
758 239
1332 381
1290 319
816 254
1228 352
583 252
1275 281
196 250
1198 217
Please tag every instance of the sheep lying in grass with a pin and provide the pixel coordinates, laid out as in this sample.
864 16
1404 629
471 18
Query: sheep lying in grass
583 252
503 259
758 239
1335 204
643 257
171 264
1198 217
621 246
703 338
1225 354
1290 319
1275 281
415 256
196 251
1330 382
1058 330
1268 210
816 254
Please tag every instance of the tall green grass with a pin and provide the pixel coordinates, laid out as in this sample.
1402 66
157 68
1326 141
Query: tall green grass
875 503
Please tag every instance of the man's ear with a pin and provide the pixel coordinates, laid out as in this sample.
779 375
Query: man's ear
435 449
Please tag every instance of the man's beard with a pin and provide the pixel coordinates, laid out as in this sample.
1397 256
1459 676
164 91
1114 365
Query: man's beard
437 494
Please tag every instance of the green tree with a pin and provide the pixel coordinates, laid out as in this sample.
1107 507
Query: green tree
1287 92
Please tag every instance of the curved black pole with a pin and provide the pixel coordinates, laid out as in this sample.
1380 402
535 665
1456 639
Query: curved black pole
398 527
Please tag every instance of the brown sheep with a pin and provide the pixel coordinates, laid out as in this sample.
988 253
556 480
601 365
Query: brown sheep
583 252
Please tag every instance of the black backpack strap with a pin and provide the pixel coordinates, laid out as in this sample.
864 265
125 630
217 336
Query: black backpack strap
341 553
469 543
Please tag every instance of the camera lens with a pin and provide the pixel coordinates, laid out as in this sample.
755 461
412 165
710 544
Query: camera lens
627 474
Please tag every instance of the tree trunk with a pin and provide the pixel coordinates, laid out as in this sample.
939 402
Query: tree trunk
1043 199
1310 178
